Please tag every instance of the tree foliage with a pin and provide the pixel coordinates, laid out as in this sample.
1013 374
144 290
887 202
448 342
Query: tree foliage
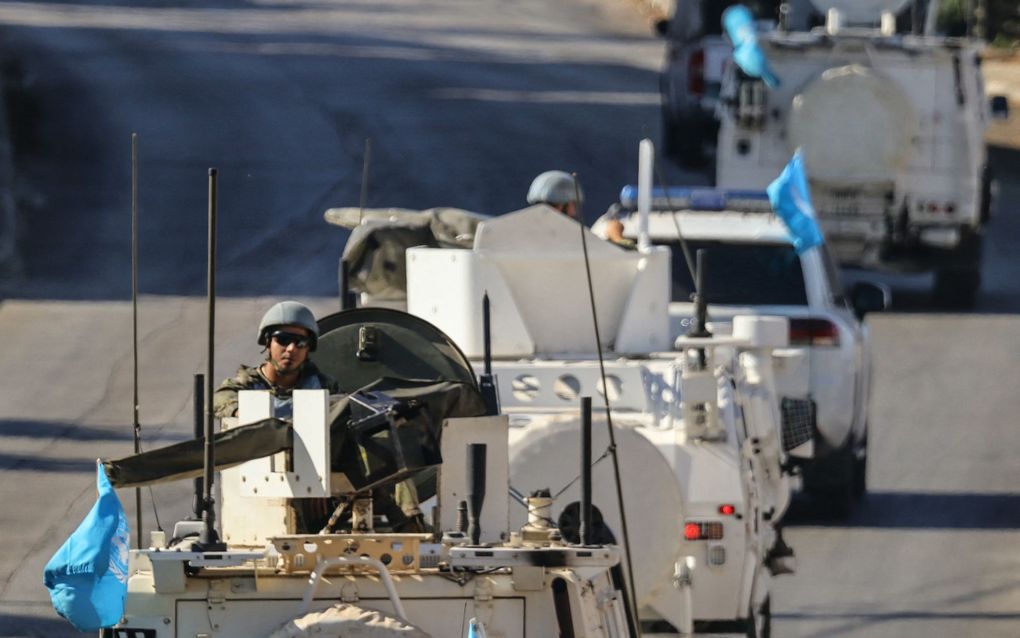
1001 24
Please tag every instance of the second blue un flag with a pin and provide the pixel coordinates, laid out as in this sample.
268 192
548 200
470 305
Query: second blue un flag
790 197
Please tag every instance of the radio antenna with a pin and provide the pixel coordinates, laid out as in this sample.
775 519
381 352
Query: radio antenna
208 539
632 594
366 161
487 383
684 248
134 326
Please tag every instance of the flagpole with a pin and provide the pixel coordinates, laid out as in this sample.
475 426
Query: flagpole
134 325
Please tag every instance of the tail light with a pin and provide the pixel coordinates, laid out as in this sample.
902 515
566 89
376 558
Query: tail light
813 332
703 531
932 207
696 73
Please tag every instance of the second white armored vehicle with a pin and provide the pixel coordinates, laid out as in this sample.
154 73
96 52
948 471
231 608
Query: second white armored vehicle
695 422
892 130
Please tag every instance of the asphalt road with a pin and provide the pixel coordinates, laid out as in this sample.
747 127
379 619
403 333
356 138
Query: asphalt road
464 102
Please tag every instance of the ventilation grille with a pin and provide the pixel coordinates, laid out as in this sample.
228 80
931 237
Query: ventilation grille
798 421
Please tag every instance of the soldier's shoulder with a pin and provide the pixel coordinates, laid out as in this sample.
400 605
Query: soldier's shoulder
325 380
245 377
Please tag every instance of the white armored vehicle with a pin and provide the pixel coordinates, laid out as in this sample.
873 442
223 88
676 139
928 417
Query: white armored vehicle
892 130
691 424
410 408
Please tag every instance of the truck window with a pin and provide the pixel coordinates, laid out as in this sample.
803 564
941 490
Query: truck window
712 10
742 274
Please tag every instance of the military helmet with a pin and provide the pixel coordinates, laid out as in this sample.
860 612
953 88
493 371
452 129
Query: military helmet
555 187
288 313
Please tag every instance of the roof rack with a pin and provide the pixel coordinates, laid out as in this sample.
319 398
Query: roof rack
705 199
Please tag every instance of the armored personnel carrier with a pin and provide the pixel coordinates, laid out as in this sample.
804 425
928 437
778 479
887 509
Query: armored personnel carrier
691 426
892 130
310 541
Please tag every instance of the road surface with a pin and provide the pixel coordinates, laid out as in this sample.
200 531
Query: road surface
464 103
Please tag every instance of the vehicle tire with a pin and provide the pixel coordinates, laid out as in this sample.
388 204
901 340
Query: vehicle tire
759 624
831 483
985 203
860 478
957 287
683 142
958 281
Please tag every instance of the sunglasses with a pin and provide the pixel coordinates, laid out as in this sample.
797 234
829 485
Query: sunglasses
287 338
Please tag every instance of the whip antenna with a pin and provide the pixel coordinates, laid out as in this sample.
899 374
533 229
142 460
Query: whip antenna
364 177
632 594
348 299
208 538
684 248
487 382
134 325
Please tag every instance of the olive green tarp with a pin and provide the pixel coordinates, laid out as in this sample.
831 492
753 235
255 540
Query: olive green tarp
375 251
440 400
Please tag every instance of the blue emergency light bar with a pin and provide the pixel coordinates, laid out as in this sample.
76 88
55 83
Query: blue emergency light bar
707 199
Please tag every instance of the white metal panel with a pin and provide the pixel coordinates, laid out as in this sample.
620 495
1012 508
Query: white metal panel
558 385
445 287
644 326
310 478
531 263
245 521
453 480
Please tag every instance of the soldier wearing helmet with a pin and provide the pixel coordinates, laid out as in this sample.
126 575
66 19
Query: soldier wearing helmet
288 332
559 190
562 191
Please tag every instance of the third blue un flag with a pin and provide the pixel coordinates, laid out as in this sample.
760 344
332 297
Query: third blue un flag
790 197
739 25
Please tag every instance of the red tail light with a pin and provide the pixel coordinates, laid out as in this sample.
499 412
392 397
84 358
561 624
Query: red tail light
696 73
727 510
813 332
703 531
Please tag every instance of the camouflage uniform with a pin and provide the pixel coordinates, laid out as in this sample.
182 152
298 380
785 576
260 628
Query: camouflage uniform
225 397
400 503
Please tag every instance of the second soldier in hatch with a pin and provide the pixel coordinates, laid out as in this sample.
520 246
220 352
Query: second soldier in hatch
562 191
288 332
557 189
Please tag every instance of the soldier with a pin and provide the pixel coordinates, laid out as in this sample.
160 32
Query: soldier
557 189
562 191
288 332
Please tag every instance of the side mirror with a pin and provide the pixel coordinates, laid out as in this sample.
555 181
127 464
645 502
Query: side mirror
662 28
866 296
1000 107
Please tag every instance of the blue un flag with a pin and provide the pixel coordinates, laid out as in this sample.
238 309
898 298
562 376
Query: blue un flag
739 25
790 197
87 576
